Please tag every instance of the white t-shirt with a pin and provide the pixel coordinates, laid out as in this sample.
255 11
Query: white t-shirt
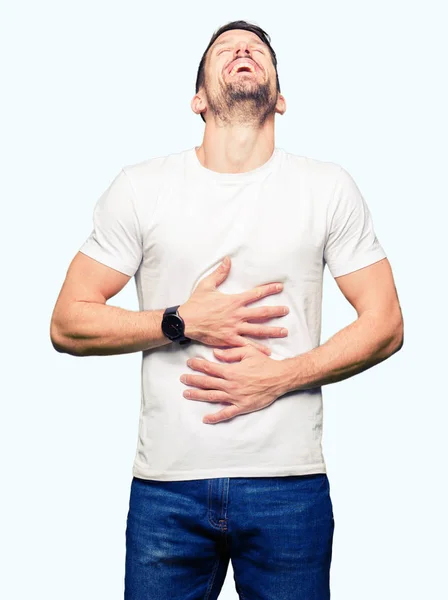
169 221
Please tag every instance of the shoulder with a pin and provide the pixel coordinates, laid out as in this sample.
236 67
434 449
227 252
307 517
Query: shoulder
152 169
319 172
149 177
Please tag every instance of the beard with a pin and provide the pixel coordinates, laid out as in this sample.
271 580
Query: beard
241 102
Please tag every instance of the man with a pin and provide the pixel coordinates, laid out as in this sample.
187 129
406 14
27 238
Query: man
229 462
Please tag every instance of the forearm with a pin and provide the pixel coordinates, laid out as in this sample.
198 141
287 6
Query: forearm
364 343
90 328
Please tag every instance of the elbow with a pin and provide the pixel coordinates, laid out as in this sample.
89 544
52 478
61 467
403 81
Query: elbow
398 336
391 338
400 344
63 342
57 338
396 346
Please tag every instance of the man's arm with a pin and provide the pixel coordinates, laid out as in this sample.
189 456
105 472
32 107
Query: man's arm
83 324
377 333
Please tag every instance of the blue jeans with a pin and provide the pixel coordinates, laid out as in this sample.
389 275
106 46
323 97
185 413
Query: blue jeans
277 531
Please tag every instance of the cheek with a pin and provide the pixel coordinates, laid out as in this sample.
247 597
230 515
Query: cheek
214 78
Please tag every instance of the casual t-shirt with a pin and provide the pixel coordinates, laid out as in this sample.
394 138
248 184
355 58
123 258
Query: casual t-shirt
169 222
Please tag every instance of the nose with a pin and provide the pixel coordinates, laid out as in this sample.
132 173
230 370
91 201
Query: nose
242 47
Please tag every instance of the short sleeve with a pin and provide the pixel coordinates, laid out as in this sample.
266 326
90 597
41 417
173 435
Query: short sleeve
116 239
351 242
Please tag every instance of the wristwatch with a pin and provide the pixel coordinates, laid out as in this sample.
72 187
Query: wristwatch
173 326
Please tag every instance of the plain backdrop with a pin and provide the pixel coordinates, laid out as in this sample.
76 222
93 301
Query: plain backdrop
89 87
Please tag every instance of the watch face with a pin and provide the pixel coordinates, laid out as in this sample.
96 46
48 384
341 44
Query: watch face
172 326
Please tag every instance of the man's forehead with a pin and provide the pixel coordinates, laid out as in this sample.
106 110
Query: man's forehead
236 34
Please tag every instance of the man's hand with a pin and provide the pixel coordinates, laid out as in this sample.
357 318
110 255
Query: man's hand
218 319
248 385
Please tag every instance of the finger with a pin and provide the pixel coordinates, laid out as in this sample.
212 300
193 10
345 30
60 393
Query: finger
263 313
205 382
260 347
259 292
262 330
206 395
216 277
222 415
230 354
205 366
242 342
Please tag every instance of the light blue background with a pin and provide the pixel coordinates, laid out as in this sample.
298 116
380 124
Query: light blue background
91 86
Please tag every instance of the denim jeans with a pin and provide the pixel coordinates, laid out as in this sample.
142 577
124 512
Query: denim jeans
277 531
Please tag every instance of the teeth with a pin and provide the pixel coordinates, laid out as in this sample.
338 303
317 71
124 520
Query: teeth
241 63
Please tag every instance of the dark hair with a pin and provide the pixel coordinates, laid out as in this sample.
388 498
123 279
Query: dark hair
200 78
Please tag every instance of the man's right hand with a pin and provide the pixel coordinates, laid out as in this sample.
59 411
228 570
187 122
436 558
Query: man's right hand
218 319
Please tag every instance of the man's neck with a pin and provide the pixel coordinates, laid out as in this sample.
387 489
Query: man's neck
235 149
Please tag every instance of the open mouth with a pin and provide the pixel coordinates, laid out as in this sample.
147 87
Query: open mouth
242 66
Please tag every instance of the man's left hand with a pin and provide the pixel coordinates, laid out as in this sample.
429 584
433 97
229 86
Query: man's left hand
251 384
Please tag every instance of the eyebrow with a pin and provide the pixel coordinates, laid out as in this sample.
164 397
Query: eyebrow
228 40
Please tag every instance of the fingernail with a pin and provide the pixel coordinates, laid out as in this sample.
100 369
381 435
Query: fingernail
284 331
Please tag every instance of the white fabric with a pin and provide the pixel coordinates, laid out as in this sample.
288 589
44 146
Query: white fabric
170 221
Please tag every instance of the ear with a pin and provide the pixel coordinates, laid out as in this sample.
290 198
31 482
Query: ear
198 104
280 107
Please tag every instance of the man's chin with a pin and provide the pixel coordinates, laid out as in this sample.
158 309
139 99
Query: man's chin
243 84
243 78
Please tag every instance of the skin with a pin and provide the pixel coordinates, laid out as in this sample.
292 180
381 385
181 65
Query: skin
239 110
239 136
